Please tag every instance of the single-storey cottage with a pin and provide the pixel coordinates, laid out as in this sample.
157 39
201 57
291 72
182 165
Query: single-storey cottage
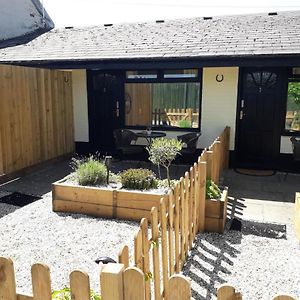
186 75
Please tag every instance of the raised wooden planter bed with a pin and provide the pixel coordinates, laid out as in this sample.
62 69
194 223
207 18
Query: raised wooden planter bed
297 215
103 202
216 213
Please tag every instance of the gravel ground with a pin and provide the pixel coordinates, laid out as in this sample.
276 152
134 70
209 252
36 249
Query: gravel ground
260 261
62 241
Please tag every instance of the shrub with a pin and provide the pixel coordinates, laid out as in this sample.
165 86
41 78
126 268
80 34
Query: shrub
65 294
90 171
139 179
163 151
185 124
163 183
212 190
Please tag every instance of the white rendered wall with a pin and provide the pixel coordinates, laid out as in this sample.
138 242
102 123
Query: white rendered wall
219 101
80 104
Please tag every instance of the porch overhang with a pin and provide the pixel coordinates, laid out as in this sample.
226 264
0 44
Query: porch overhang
287 60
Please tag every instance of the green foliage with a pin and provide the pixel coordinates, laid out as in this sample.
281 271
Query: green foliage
65 294
89 171
139 179
148 276
185 124
294 91
163 151
212 190
163 183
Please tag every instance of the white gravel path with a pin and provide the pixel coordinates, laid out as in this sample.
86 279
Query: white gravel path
62 241
260 261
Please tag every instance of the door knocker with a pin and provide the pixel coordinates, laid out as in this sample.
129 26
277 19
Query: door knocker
219 77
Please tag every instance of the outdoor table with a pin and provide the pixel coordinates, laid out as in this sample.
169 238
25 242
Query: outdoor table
149 135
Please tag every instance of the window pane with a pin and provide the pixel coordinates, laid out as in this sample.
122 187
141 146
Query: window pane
292 120
296 71
162 104
190 73
141 74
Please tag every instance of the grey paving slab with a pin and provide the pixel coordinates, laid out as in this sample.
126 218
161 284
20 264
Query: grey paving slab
267 199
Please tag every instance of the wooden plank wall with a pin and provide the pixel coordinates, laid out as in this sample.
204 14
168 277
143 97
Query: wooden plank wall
36 116
139 110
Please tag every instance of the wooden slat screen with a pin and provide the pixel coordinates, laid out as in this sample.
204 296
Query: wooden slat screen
36 116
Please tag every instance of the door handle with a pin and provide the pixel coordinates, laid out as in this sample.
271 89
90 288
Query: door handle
117 111
242 114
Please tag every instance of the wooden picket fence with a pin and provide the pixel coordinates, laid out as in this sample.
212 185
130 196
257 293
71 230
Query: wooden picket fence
162 252
172 116
227 292
116 283
160 256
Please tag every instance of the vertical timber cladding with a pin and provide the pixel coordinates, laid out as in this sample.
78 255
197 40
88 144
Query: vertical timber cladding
36 116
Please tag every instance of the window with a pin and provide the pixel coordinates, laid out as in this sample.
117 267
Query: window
192 73
141 74
292 118
172 101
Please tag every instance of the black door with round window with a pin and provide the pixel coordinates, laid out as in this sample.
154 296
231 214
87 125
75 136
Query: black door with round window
259 117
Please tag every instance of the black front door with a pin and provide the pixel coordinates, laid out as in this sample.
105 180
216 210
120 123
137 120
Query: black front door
105 90
258 135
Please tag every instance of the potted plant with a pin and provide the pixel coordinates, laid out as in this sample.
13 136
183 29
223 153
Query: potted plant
215 207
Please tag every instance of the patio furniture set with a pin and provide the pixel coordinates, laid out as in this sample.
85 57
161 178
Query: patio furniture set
126 141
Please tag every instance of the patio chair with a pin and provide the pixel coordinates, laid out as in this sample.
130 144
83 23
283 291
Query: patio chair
296 148
125 142
190 139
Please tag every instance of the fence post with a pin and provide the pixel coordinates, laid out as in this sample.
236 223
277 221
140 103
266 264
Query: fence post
7 279
196 200
202 169
209 162
283 297
41 283
80 285
146 249
124 256
227 292
164 247
217 158
155 251
180 288
111 280
134 284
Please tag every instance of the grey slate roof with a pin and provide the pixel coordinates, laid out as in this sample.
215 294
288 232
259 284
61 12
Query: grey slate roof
227 36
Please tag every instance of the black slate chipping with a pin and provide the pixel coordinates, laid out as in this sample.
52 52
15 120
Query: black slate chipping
18 199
